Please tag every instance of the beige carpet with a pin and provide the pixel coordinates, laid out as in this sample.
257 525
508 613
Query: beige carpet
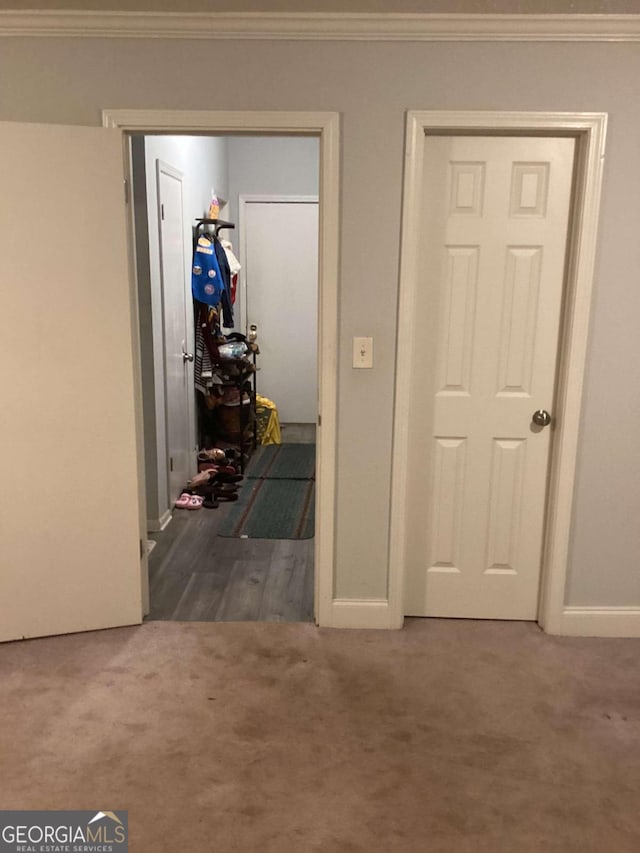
449 736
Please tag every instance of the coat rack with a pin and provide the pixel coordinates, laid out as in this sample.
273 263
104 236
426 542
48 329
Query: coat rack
219 224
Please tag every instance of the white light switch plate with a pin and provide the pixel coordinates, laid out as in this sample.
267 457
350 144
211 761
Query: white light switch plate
363 352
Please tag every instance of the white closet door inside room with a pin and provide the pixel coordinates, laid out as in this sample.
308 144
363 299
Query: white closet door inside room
70 555
281 246
494 224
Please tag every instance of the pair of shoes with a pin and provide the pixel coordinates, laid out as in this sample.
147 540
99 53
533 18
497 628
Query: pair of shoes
221 491
226 496
215 454
213 474
207 473
224 477
227 471
189 501
225 491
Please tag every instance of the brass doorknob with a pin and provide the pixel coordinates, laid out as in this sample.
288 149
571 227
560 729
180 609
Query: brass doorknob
541 418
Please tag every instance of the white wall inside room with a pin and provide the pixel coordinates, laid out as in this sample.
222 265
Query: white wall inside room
203 162
270 165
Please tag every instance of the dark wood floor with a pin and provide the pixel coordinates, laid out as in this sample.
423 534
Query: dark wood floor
196 575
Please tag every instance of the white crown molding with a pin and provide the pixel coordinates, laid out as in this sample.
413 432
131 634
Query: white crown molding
321 26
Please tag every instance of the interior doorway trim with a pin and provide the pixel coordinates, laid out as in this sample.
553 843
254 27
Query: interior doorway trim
326 126
589 130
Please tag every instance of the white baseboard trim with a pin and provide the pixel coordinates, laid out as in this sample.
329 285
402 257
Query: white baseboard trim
600 622
155 525
361 613
575 621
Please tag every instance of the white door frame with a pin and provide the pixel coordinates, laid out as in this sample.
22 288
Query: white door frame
589 130
326 126
252 198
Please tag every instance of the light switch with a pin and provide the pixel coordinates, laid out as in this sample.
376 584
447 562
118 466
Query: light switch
363 352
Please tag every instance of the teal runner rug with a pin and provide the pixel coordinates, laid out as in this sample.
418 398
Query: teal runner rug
277 500
283 462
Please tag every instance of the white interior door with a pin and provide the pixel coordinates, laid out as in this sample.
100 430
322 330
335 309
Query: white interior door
495 222
281 246
69 518
178 392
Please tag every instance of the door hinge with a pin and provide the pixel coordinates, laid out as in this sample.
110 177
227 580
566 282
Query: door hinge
162 212
126 191
171 463
319 420
143 548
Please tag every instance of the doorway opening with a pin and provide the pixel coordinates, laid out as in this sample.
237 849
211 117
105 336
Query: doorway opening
229 378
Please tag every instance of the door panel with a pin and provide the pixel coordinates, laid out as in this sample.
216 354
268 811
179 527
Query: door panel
174 306
495 222
69 526
282 295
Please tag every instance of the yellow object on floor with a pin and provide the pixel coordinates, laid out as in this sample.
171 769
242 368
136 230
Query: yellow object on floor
268 422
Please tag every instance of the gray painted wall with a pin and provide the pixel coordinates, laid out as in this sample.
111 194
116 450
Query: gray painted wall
372 85
274 165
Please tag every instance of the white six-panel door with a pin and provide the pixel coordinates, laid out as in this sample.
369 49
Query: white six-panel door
69 518
494 232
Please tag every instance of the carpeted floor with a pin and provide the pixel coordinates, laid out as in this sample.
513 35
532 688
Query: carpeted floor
451 735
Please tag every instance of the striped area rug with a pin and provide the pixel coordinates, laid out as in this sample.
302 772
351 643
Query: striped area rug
283 462
277 500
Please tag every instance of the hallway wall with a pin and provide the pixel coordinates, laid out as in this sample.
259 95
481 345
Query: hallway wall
371 85
272 165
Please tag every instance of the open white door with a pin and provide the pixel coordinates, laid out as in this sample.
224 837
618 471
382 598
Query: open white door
178 378
69 530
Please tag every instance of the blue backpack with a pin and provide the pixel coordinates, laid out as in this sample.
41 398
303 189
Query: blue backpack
207 284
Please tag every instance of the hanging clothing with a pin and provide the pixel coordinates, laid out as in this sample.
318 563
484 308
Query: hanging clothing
223 263
234 263
207 283
234 267
206 323
202 365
